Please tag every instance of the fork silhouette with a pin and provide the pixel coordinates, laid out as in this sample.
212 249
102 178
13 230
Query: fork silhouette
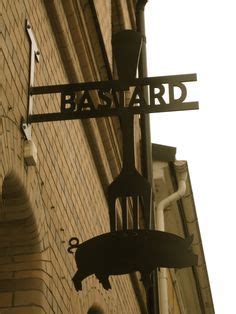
129 183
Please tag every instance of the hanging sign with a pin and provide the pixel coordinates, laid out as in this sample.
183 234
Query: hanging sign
166 93
127 250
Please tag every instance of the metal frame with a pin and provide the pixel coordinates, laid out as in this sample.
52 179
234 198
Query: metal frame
97 111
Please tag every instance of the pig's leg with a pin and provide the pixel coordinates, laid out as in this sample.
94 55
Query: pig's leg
104 281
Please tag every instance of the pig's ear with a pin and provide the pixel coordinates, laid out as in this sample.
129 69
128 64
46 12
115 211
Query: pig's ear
189 241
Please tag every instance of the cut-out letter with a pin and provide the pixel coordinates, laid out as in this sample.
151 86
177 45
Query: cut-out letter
137 98
85 102
68 102
157 95
105 97
182 96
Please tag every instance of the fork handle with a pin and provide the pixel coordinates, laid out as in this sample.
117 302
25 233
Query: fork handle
127 127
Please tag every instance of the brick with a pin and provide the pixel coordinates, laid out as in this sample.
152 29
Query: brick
33 274
66 165
5 259
5 299
29 257
21 266
22 284
8 44
31 297
16 62
6 275
7 73
23 310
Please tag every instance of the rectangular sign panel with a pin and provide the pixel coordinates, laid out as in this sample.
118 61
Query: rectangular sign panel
166 93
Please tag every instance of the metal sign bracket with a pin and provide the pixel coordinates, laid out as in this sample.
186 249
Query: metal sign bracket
34 57
131 248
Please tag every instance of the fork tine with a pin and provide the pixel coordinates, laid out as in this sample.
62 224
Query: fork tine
112 212
147 204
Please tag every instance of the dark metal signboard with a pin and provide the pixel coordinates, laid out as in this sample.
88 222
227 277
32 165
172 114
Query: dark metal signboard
126 250
84 107
126 49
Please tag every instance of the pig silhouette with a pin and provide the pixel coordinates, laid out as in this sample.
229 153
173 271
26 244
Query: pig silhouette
123 252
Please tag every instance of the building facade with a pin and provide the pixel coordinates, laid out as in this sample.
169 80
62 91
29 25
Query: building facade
63 194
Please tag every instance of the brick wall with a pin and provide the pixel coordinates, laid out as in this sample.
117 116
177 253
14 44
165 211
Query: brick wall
63 196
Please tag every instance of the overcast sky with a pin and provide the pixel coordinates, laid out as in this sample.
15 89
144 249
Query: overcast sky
188 36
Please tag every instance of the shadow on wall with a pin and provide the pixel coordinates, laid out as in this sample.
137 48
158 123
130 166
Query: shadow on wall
21 266
95 310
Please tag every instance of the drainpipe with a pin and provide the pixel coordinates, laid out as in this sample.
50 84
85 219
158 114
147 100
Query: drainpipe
181 168
152 292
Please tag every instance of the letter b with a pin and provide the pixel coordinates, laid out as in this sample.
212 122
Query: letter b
68 102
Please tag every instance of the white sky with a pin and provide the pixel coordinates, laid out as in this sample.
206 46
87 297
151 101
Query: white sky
187 36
